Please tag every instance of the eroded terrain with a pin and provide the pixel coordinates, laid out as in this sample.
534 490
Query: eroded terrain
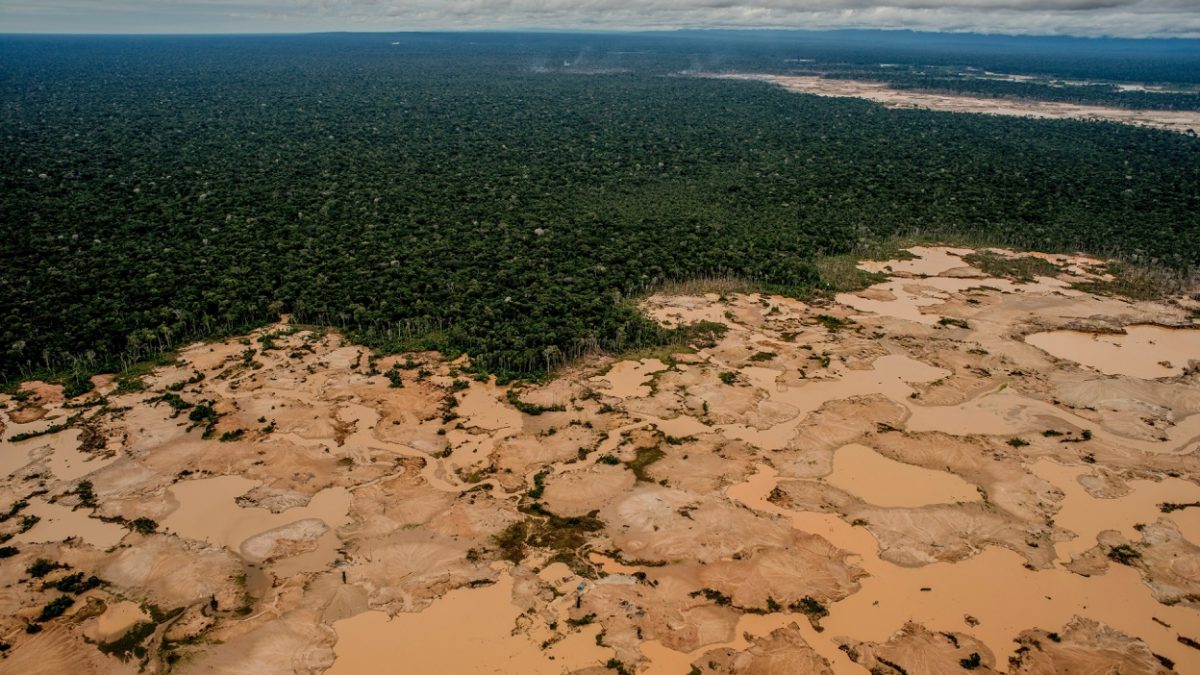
1180 121
890 481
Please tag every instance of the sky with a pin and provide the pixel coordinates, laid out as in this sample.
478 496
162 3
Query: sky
1123 18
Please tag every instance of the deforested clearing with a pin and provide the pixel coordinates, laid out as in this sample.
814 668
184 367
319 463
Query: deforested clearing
1179 121
912 481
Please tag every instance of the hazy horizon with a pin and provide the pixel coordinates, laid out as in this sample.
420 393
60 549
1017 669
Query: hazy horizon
1077 18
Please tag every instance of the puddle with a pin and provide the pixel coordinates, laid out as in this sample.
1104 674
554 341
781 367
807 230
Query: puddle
681 426
882 481
1144 351
481 405
60 522
466 631
609 565
629 379
116 620
1088 516
994 587
64 459
208 512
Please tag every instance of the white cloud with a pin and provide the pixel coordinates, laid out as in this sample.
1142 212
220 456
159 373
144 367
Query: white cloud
1133 18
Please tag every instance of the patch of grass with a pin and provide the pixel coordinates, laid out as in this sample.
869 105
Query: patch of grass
1124 554
582 621
832 323
539 484
728 377
143 525
951 321
511 541
76 583
26 435
971 662
713 596
230 436
129 381
174 400
87 496
129 644
17 507
76 384
1134 283
563 536
204 415
55 608
814 609
41 567
1022 269
840 274
394 379
530 408
759 357
642 461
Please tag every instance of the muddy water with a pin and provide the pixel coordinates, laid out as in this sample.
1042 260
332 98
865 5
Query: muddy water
882 481
1087 516
116 620
890 375
994 587
60 522
208 511
681 426
1142 351
466 631
482 405
61 451
629 379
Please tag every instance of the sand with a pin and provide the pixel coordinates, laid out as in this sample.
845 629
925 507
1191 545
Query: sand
952 456
1180 121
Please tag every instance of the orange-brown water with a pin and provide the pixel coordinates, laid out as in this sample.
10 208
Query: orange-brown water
1147 352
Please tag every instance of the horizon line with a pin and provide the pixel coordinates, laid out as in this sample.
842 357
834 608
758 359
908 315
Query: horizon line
599 31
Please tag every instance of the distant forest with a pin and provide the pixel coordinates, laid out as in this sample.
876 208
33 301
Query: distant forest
512 195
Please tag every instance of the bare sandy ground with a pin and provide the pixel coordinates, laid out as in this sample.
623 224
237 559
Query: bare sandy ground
1181 121
943 469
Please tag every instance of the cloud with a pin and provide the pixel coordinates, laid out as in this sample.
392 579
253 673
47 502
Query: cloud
1128 18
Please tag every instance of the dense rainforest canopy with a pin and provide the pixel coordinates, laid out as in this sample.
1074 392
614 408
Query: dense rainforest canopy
502 195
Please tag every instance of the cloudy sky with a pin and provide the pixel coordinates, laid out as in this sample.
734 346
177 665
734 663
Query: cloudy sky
1132 18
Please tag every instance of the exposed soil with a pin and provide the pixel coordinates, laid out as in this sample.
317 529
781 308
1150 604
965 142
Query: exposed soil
1181 121
906 479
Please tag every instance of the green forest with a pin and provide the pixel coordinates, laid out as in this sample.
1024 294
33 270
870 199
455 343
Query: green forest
506 197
